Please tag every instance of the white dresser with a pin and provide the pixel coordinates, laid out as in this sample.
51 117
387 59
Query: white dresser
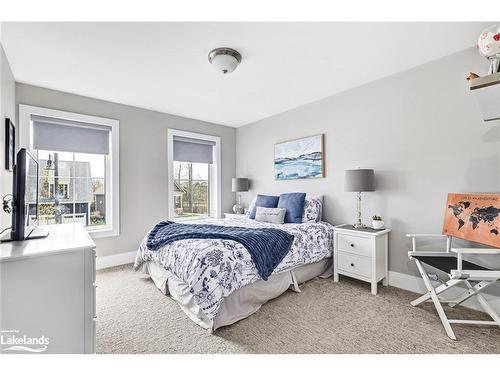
47 293
361 254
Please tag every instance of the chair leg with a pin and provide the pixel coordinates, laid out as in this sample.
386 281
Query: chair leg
437 303
485 305
440 289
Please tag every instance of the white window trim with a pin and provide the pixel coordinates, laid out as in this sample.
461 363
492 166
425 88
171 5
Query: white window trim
215 171
112 177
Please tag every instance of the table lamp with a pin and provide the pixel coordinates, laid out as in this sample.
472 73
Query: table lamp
239 185
359 180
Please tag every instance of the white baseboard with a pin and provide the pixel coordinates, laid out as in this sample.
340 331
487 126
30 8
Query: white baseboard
115 260
406 282
415 284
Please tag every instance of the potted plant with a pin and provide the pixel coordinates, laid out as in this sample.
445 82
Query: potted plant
377 222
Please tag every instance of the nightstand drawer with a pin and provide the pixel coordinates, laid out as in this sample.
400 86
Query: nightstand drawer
355 245
354 264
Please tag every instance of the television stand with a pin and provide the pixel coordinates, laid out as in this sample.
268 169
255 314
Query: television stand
35 233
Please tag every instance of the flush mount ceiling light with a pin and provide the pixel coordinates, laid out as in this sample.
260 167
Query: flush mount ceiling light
225 60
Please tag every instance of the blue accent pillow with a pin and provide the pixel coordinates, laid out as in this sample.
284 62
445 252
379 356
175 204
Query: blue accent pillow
294 205
268 201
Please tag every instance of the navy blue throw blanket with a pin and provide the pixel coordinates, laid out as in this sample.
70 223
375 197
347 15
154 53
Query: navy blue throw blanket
267 246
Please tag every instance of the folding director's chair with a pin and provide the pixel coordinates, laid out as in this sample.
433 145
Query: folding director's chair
473 276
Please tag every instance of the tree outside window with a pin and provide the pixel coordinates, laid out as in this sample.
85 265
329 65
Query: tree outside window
191 190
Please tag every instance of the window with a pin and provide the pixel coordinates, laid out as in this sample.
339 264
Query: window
191 190
78 158
80 195
194 175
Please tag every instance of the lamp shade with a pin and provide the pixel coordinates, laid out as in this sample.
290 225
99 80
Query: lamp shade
239 184
359 180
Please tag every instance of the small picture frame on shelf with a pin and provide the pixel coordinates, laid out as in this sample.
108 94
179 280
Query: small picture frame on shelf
10 144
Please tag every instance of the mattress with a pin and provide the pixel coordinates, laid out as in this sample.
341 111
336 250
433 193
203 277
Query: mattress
213 269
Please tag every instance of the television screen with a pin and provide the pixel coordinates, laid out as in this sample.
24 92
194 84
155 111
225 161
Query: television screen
25 191
25 200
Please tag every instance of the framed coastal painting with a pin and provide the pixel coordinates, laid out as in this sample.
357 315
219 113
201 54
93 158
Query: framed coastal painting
300 158
473 217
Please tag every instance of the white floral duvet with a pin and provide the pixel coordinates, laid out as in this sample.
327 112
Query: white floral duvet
214 268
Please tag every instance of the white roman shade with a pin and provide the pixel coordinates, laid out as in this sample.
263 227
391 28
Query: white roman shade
54 134
193 150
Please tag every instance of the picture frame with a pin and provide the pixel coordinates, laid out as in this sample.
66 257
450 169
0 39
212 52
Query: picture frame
10 144
301 158
473 217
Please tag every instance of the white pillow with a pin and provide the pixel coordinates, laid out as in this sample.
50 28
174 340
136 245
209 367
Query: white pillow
270 215
313 209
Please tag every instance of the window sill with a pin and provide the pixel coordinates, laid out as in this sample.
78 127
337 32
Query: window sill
102 232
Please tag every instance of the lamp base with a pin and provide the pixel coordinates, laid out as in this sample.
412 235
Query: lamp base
359 224
238 209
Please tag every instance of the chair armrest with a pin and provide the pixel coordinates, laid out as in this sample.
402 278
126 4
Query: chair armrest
476 250
479 275
415 236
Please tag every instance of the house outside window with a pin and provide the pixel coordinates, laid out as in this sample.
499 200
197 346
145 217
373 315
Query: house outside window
80 195
78 168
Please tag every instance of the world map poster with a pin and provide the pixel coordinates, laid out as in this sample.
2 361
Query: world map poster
473 217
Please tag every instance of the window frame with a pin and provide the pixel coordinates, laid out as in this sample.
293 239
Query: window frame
215 172
112 174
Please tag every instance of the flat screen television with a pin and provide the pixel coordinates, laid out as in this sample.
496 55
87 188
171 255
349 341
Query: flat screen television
25 199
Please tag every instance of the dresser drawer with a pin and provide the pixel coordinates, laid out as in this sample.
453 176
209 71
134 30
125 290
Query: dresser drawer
355 245
354 264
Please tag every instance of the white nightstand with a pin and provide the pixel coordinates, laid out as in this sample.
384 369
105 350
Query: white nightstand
230 215
361 254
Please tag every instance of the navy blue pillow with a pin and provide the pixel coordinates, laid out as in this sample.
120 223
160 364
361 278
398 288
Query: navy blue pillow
294 205
268 201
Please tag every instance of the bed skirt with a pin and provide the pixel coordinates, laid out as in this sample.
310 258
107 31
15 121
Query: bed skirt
241 303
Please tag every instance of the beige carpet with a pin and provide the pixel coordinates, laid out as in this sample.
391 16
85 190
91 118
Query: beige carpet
327 317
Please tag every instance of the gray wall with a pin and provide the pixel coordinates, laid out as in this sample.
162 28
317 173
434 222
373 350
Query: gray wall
420 130
7 109
143 159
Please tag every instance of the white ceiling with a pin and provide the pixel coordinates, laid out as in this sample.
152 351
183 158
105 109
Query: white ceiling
164 67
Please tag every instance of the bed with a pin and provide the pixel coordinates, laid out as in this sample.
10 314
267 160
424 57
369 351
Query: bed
215 281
